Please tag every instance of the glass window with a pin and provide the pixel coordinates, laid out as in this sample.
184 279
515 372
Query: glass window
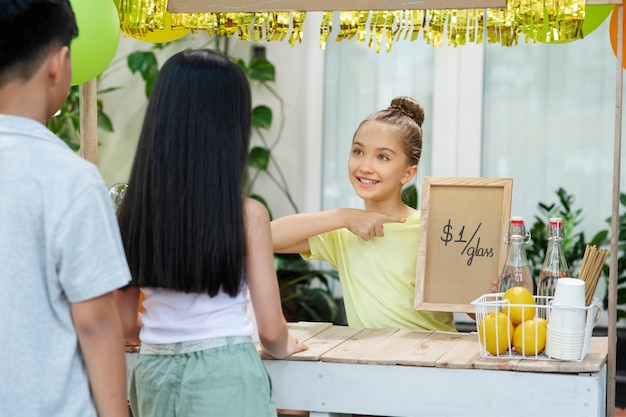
547 116
548 122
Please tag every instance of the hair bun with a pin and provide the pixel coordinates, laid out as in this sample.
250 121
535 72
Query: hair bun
410 107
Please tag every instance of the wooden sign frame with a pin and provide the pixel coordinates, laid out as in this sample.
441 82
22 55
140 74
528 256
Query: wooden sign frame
461 246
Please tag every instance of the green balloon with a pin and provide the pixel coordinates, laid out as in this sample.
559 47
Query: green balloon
98 37
594 16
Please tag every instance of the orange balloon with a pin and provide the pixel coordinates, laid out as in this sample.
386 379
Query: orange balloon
613 34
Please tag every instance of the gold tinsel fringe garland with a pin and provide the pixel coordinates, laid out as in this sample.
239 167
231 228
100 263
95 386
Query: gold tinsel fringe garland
538 21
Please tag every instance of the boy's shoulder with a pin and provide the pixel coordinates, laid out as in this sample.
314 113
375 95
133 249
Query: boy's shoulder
29 150
27 138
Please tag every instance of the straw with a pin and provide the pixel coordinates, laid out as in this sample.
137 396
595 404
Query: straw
585 264
596 275
591 268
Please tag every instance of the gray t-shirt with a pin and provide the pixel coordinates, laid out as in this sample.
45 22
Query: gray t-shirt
59 244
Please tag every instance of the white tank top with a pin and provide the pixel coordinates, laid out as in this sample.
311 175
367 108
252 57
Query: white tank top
172 316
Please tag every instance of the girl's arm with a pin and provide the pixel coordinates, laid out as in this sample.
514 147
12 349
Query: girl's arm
127 300
290 234
263 284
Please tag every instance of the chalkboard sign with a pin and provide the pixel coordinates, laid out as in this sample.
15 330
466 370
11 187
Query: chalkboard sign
461 247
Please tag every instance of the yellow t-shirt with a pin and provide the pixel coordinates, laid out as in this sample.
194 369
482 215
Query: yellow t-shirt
378 277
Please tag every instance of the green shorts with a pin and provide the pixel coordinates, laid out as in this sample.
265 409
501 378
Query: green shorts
222 381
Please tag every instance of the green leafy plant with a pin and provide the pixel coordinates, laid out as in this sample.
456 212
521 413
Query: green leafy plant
145 63
575 242
410 196
306 292
66 122
261 160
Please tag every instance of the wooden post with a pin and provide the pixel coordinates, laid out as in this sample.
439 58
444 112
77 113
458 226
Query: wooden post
89 121
613 272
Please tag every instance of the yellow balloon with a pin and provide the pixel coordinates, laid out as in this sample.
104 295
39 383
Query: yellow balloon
167 34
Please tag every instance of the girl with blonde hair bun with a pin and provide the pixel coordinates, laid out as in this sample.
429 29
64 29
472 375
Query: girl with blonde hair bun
373 249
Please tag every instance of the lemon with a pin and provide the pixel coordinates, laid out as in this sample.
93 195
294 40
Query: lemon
519 313
529 337
495 332
542 321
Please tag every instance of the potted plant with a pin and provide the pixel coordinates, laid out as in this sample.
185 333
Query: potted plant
575 241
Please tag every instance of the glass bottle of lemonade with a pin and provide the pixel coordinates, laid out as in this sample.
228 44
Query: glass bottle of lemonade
554 265
516 271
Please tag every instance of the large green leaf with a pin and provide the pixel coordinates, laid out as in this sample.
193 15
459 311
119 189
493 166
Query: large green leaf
262 117
146 64
305 291
259 158
409 196
104 122
241 65
261 69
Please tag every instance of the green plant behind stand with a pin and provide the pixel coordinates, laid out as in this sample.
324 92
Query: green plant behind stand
66 122
574 244
306 293
261 160
410 196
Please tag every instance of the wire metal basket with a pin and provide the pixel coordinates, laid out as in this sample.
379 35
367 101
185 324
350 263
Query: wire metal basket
531 344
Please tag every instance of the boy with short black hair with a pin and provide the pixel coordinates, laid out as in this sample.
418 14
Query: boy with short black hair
61 256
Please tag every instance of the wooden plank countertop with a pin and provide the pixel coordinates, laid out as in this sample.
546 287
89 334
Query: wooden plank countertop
342 344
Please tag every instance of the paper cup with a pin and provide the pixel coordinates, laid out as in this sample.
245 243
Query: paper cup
567 319
570 292
564 345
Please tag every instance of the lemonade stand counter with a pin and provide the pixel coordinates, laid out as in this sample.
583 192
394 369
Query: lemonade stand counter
391 372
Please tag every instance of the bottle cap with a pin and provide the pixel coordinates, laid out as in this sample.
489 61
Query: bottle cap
555 228
517 220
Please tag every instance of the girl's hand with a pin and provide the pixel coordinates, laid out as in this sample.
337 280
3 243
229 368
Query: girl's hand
495 284
367 224
293 346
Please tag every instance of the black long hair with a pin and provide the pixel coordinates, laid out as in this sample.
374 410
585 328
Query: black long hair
181 220
29 29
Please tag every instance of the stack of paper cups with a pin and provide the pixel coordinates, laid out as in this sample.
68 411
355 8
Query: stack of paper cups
566 324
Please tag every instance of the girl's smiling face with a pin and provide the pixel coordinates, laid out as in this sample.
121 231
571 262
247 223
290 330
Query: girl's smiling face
378 166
